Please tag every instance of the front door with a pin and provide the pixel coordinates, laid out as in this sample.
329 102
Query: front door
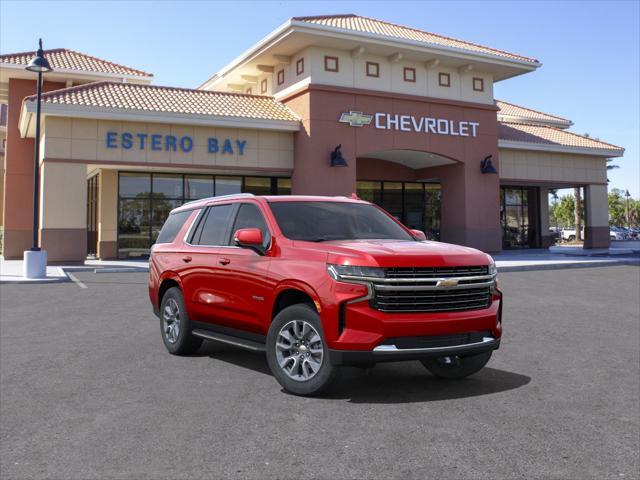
92 216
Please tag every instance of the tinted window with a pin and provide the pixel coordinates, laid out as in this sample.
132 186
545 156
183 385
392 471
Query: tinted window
320 221
172 226
214 227
249 216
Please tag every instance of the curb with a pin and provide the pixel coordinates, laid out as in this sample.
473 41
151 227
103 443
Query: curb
566 266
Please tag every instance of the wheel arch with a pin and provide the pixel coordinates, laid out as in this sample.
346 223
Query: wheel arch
293 293
167 281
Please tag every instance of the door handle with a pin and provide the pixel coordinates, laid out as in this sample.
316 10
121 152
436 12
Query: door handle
224 261
186 259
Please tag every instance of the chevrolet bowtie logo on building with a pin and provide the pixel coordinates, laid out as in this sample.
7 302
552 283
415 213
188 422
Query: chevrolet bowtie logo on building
356 119
447 283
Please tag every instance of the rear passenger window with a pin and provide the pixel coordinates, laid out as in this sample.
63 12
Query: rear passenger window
249 216
172 226
213 228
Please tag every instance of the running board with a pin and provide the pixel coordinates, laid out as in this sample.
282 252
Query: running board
229 340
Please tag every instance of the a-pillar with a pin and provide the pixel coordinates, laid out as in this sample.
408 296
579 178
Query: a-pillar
596 204
546 240
63 211
107 214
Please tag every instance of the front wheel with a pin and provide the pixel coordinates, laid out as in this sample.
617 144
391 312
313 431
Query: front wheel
456 367
297 352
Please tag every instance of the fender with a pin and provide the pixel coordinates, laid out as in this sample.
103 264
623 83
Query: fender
290 284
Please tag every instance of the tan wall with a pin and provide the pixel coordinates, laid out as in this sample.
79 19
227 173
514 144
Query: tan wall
352 74
63 199
80 139
534 166
1 190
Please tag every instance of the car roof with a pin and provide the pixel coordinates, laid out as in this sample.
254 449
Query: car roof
195 204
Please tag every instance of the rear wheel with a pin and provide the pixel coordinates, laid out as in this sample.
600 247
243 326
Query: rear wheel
456 367
175 325
297 352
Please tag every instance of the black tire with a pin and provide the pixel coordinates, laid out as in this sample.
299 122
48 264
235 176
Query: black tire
184 343
571 238
460 367
324 374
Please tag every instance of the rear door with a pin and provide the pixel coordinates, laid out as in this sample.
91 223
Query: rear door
243 276
209 236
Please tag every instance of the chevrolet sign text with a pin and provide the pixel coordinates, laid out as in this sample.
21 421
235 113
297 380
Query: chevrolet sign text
438 126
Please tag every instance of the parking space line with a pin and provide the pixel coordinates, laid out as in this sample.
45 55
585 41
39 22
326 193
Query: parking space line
75 280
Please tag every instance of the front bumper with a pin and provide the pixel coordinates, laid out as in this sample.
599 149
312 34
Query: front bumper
391 352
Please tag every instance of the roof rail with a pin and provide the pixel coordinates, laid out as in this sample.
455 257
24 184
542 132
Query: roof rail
221 197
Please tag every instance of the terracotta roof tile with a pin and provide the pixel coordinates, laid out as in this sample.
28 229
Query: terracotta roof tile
546 135
513 110
370 25
65 59
153 98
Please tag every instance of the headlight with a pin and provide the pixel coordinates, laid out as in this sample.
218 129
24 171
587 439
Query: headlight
346 272
493 270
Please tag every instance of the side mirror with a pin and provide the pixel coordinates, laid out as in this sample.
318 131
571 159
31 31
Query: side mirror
249 238
418 235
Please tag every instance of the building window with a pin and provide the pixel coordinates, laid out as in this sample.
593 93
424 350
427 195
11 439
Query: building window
145 200
373 69
331 64
300 66
280 77
248 91
444 79
263 86
417 205
478 84
409 74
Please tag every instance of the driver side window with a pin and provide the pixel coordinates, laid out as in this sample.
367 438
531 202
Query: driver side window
249 216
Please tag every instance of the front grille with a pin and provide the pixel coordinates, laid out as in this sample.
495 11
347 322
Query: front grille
416 290
430 272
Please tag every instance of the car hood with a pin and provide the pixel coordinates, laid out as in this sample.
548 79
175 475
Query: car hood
398 253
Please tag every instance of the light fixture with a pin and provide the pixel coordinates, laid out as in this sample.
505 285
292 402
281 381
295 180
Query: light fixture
337 160
39 63
486 166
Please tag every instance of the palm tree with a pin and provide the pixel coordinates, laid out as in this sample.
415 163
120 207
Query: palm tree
611 167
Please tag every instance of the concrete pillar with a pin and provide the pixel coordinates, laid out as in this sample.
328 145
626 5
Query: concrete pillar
63 211
545 235
596 203
108 214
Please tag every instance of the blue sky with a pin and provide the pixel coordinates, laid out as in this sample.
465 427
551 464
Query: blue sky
590 51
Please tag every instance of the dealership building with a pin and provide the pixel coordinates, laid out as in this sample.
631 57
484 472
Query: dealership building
328 105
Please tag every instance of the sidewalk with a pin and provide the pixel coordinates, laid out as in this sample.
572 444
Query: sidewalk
507 261
11 270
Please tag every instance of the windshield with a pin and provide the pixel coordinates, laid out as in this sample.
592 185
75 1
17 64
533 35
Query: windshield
322 221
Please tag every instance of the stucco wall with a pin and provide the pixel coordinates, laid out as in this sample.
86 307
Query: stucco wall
532 166
352 73
84 139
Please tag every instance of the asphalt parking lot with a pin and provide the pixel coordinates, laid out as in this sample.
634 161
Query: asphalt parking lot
88 391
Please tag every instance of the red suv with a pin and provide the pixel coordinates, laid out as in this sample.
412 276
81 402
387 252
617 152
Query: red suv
319 282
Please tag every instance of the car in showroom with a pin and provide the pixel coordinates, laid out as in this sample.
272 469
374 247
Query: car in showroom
321 282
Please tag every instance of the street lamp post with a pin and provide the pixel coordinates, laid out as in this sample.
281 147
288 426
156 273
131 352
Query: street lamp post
626 207
35 260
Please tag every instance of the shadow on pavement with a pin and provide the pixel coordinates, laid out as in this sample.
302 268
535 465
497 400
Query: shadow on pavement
401 382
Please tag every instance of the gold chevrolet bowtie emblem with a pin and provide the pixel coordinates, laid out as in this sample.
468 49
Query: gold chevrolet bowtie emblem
355 119
447 283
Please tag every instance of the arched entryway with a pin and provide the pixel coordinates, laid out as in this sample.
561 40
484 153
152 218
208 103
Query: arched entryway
401 182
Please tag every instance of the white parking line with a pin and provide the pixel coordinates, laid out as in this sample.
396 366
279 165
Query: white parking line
75 280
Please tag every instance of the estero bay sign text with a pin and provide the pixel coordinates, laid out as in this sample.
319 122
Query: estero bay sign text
172 143
411 123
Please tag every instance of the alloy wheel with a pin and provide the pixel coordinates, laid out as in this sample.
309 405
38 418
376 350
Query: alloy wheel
171 320
299 350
